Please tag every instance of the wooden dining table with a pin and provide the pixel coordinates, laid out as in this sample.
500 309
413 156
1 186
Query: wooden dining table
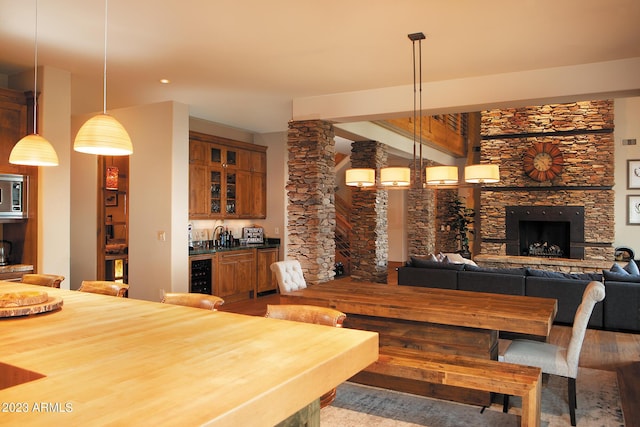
430 319
102 360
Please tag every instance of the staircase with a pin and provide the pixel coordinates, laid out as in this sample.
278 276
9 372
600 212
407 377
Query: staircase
343 234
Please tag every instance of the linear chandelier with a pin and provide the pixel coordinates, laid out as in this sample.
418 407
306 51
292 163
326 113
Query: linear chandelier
103 134
33 149
400 177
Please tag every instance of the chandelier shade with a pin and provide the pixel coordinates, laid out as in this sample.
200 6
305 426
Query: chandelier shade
33 150
360 177
395 177
482 174
104 135
442 175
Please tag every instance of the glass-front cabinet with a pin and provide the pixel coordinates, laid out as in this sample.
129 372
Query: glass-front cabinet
221 178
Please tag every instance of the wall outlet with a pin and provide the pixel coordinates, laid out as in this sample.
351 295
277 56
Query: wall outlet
276 231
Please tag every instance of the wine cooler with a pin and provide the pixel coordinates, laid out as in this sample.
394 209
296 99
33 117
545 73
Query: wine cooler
201 275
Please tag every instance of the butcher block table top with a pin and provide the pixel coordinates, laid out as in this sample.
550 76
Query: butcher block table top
101 360
511 313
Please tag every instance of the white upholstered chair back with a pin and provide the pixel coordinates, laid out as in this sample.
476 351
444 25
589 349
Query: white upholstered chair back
289 275
593 294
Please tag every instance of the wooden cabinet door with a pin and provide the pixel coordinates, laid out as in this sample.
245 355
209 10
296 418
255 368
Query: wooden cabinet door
258 162
198 152
266 279
258 195
226 284
244 194
236 274
198 184
246 273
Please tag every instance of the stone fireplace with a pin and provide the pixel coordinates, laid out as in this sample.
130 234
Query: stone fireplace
545 231
570 216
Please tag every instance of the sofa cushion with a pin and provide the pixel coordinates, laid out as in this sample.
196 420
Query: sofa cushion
509 284
513 271
559 275
622 306
428 277
425 263
568 293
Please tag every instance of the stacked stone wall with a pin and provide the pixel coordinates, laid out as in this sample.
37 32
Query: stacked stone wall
311 214
583 132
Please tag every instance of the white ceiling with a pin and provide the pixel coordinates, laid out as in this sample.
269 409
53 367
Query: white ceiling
241 63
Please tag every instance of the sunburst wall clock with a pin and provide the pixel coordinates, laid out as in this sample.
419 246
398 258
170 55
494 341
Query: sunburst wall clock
542 161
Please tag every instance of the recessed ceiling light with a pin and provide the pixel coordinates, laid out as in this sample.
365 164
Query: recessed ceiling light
165 81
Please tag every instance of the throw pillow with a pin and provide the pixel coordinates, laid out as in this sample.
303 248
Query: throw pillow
632 267
429 257
424 263
620 277
616 268
458 259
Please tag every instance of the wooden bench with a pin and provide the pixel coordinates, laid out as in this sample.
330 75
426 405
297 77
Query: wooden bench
467 372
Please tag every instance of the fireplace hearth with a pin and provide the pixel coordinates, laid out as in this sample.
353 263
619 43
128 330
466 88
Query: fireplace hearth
545 231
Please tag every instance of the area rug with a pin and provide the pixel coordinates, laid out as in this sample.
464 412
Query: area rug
357 405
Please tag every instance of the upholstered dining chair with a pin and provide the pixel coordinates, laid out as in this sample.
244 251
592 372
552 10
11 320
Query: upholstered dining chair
289 275
555 359
208 302
309 314
50 280
104 287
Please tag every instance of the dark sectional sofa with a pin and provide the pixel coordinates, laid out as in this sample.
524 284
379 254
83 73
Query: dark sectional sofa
619 311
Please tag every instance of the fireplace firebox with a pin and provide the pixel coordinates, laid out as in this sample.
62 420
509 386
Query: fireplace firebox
545 231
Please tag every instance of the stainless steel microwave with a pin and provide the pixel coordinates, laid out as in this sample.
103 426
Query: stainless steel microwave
13 191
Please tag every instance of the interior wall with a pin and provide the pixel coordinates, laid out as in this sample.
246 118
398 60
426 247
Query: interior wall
54 198
158 198
275 224
627 126
84 211
396 228
158 201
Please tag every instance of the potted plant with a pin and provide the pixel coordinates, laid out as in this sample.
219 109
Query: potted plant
461 218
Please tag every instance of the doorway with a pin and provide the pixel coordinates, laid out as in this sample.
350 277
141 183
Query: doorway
113 218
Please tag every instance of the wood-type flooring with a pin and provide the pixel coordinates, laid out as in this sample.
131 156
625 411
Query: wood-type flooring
607 350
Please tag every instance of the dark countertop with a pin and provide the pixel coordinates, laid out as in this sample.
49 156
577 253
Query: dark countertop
205 251
13 268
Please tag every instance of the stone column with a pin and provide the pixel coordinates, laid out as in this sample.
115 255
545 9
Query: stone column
311 213
421 215
369 238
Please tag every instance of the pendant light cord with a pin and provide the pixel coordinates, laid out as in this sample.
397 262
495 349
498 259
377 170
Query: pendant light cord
104 84
420 115
415 165
35 77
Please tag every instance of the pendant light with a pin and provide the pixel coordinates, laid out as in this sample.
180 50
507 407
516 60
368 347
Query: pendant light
482 174
395 177
442 175
360 177
33 149
103 134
